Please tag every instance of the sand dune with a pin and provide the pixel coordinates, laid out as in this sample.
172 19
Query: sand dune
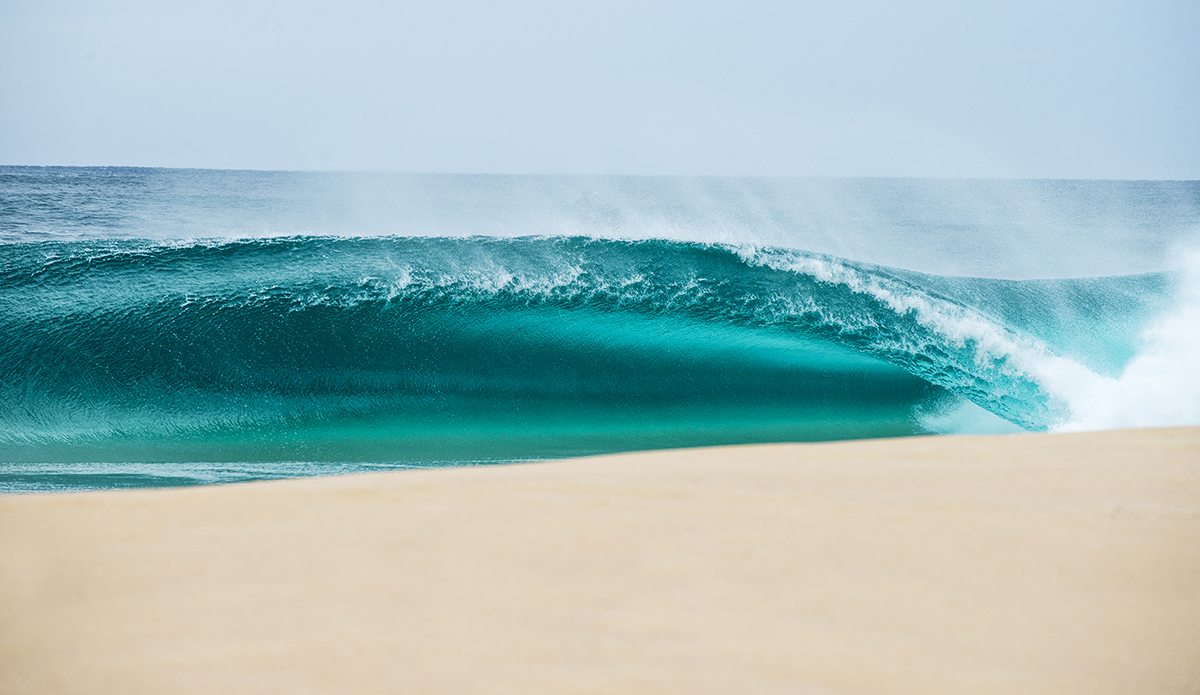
1030 564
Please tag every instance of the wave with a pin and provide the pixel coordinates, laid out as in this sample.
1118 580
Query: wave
463 349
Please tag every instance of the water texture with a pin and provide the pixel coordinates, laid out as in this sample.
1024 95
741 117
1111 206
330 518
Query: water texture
163 327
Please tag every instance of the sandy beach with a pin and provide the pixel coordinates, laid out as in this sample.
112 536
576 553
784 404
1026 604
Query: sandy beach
1029 563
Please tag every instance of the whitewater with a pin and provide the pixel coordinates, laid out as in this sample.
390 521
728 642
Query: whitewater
162 327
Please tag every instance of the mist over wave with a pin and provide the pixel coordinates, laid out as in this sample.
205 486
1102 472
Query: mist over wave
286 324
1013 229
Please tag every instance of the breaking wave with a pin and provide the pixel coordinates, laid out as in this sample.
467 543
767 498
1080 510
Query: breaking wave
427 350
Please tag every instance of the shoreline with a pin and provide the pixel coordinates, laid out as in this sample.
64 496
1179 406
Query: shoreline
1014 563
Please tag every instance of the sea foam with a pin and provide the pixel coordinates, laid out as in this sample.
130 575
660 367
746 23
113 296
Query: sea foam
1161 386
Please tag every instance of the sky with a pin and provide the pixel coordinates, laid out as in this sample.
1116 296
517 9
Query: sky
1047 89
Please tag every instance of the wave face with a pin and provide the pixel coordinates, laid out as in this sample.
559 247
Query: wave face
167 361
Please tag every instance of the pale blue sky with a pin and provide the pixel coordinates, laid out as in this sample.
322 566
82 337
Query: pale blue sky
1013 89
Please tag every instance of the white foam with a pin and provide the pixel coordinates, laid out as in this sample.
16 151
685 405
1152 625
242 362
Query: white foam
1161 386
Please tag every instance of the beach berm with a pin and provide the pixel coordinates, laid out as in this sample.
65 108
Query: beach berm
1049 563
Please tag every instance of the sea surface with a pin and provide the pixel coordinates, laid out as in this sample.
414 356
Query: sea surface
176 327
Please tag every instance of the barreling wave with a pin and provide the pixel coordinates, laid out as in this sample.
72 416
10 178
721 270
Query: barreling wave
462 349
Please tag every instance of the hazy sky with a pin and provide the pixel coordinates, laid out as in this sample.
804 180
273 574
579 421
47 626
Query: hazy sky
1028 89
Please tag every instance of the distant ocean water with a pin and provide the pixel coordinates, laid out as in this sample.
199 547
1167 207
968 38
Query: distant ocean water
164 327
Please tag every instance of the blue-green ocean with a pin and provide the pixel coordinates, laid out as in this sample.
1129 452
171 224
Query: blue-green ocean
175 327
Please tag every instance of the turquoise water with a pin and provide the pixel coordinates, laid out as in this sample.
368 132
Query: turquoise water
160 327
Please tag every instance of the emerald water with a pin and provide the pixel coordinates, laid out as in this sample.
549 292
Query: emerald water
163 327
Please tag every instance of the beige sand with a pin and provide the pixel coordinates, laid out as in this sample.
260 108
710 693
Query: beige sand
1026 564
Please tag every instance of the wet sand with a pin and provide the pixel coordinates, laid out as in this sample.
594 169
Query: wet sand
1018 564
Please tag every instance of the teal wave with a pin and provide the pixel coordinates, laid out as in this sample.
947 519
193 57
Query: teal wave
450 350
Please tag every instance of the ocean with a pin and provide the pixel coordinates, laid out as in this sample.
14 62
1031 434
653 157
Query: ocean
176 327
